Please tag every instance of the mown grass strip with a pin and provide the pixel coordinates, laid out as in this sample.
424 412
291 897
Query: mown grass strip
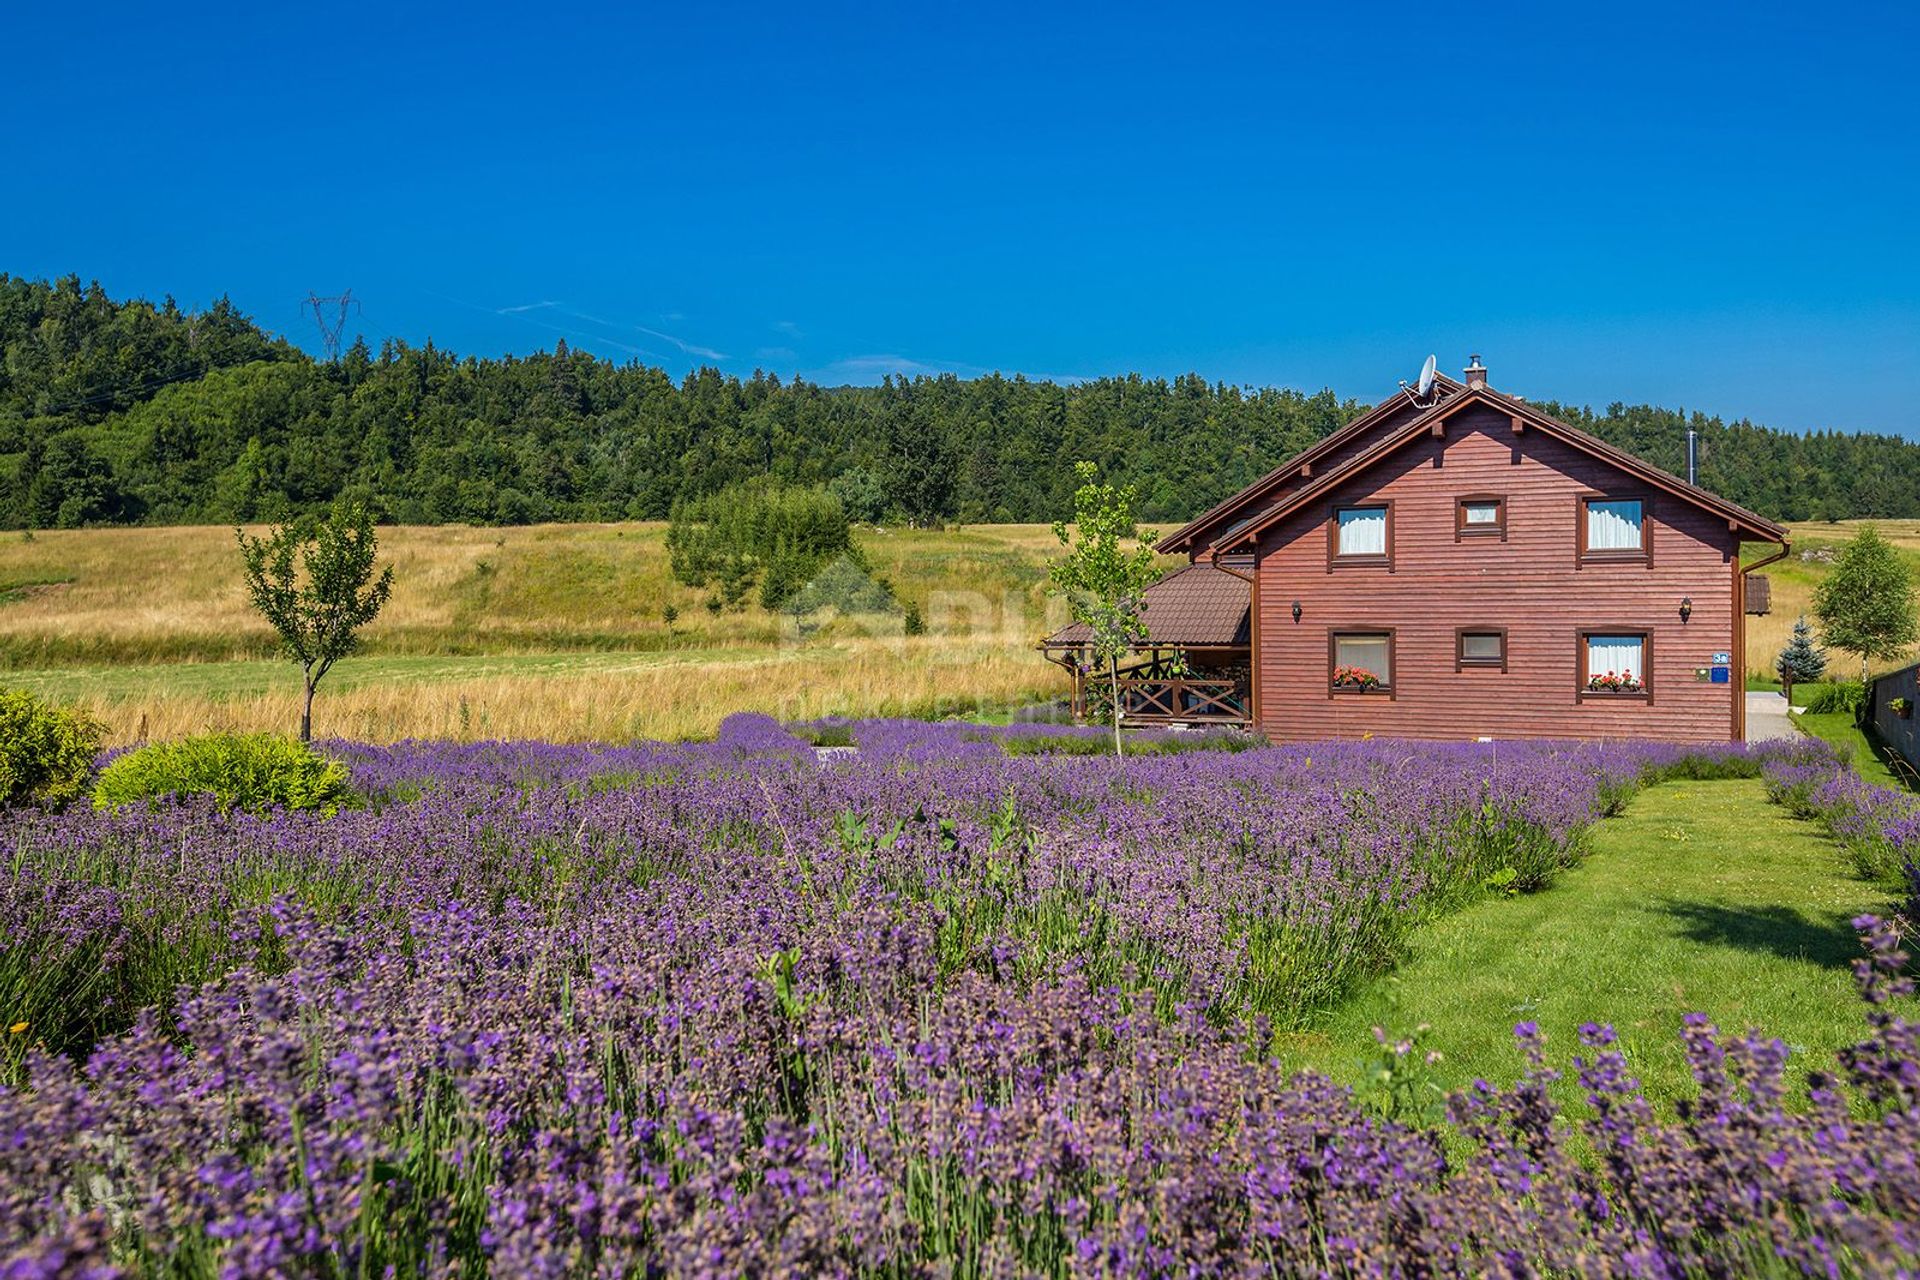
1700 897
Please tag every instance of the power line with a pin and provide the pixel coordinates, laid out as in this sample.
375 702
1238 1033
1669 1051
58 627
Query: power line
133 389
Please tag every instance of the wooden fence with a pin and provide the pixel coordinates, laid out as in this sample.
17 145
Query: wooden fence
1900 731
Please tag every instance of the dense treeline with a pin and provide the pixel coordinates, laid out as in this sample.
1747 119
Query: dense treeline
127 412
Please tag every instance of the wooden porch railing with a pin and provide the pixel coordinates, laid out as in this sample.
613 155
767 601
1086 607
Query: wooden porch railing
1145 700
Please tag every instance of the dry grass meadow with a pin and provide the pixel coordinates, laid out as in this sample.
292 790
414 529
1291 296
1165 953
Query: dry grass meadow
1795 578
558 632
554 632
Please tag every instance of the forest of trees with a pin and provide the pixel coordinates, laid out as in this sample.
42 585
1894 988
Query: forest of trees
126 412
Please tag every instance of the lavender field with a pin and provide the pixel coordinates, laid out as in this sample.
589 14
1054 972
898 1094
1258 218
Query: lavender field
947 1004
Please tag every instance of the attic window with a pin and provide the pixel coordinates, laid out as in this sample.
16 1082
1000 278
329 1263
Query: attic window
1362 534
1481 516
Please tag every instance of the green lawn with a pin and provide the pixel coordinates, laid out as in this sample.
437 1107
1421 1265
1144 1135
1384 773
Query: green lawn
1701 897
1868 755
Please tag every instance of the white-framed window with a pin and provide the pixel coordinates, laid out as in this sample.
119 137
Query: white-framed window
1615 525
1614 661
1360 531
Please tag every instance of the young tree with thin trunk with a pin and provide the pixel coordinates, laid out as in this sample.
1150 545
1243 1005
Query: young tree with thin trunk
314 582
1105 583
1865 605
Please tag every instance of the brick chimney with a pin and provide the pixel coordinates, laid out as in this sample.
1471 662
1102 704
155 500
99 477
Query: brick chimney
1476 373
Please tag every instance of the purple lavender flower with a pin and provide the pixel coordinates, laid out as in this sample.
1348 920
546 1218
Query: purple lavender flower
958 1001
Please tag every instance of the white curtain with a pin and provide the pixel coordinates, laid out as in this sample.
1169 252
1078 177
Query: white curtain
1613 526
1369 652
1483 513
1616 655
1363 531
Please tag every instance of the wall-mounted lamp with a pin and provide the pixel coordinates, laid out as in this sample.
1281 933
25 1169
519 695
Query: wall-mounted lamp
1296 611
1686 608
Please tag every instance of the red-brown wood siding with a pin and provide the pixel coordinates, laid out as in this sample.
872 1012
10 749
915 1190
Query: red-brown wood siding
1531 584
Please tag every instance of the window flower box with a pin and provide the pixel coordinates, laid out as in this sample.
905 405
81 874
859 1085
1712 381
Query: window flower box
1902 707
1615 682
1357 678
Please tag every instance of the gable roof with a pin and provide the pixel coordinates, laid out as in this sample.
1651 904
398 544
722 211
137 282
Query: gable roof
1197 605
1737 517
1186 538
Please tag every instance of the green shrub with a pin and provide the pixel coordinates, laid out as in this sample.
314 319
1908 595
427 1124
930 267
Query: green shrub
827 733
1706 767
1849 696
255 772
1169 744
1062 744
759 529
45 752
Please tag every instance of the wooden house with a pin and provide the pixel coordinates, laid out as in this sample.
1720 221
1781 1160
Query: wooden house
1458 565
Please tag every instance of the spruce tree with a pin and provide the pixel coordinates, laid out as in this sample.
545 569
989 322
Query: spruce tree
1802 661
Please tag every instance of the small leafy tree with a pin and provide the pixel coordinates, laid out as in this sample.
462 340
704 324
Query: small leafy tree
1105 584
314 582
1802 661
1865 605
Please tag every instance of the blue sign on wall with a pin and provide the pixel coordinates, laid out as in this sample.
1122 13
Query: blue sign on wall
1722 675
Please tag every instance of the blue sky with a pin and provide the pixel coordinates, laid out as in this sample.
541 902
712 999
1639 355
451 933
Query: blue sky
1709 206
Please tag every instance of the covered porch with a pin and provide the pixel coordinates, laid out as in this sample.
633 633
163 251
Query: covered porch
1195 667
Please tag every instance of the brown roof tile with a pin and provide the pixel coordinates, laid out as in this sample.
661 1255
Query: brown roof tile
1198 606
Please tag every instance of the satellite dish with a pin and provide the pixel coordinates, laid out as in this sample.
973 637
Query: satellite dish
1427 371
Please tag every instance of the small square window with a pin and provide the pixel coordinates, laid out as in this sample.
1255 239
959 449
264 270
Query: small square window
1360 661
1361 532
1486 648
1482 516
1614 528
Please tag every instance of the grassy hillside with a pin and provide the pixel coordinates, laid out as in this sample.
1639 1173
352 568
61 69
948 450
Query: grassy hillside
553 631
165 595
